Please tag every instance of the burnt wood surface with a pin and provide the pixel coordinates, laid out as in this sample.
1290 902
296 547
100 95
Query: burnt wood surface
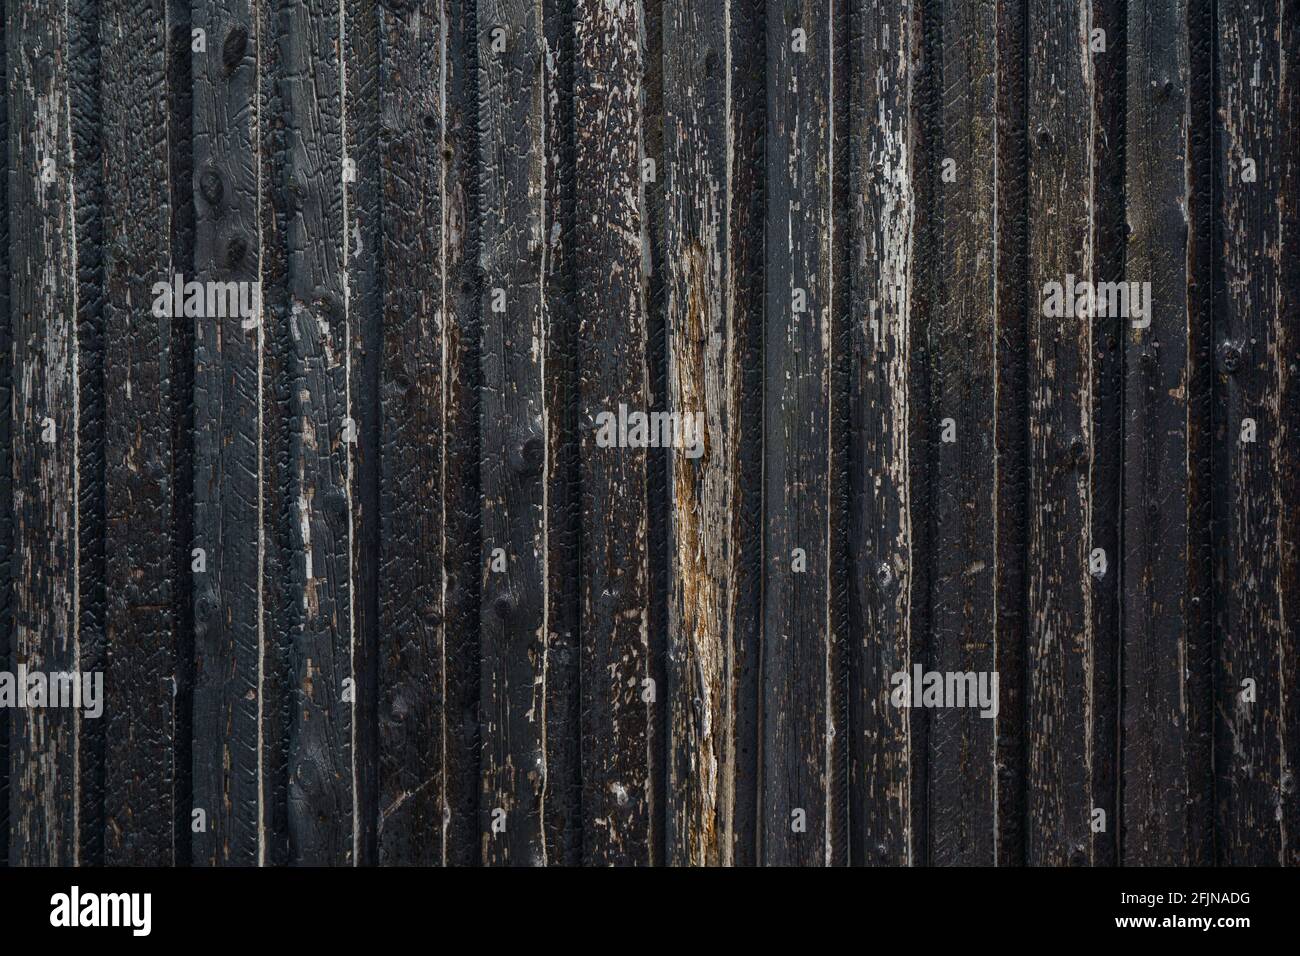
365 578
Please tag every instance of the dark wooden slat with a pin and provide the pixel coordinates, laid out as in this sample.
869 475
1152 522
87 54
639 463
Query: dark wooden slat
515 428
361 52
611 305
886 536
463 841
322 434
700 376
1058 636
279 533
712 291
89 196
411 635
180 135
839 511
6 460
1254 482
141 579
962 786
1009 410
230 597
44 787
1166 720
657 459
799 677
1073 401
1288 385
563 798
1106 474
748 124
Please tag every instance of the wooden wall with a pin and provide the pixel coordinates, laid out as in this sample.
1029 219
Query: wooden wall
366 587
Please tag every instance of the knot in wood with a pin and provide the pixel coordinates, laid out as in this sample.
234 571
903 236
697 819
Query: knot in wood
210 187
503 606
205 606
528 455
1230 356
233 50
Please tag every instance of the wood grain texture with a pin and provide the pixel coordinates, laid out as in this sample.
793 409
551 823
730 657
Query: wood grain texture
411 676
1110 69
611 303
515 422
142 583
1071 452
886 454
800 678
964 464
1255 562
1287 474
89 201
361 138
657 458
322 434
44 788
1166 672
710 163
180 135
746 156
279 529
462 501
1010 434
6 460
230 596
562 821
827 228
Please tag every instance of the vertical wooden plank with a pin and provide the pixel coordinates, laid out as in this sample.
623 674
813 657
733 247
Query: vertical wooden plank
1073 405
710 160
839 414
887 388
515 428
1108 353
1010 434
657 458
747 122
1254 479
962 789
798 818
6 460
1058 636
700 379
1288 403
362 143
611 302
411 631
141 580
1166 720
462 843
180 136
230 710
323 432
44 789
278 532
563 819
89 201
